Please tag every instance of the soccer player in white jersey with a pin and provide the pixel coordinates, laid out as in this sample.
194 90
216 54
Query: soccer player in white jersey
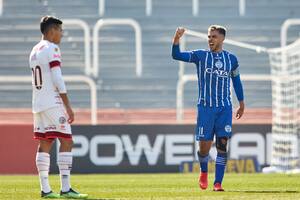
52 111
215 68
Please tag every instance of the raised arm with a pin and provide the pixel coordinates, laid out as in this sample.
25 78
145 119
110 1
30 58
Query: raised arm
176 53
178 34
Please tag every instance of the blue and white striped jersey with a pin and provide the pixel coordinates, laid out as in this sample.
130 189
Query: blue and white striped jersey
214 71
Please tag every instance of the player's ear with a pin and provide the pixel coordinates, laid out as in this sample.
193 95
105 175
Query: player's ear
223 38
52 30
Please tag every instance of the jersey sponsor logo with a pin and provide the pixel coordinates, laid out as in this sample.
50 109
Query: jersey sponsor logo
56 56
51 127
219 73
228 128
63 127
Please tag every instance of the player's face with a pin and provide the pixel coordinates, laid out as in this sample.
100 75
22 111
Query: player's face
57 34
215 40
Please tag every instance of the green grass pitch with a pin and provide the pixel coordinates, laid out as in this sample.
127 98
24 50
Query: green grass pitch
159 186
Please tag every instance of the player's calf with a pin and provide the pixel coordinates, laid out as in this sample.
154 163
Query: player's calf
202 180
221 161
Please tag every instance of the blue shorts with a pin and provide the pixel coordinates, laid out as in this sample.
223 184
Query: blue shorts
213 121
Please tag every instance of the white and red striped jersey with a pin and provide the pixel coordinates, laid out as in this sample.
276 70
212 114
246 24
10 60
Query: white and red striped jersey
44 56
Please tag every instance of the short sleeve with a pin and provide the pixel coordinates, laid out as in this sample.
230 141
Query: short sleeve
54 56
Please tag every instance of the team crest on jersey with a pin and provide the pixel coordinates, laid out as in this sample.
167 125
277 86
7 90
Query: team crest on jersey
228 128
219 64
62 120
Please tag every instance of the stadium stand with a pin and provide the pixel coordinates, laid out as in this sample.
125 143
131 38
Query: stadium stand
118 86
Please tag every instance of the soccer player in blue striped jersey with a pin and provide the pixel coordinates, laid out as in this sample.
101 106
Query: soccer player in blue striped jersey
215 68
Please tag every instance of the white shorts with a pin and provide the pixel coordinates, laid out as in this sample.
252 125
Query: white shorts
51 124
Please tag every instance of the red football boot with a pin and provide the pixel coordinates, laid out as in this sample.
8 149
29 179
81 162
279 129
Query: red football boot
203 182
218 187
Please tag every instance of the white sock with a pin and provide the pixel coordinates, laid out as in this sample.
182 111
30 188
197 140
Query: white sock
43 164
64 162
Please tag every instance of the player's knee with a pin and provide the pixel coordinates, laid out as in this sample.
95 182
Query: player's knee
204 147
45 145
203 152
69 143
66 144
221 144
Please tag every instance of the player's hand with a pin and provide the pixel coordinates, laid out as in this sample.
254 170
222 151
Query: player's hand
70 114
179 32
240 110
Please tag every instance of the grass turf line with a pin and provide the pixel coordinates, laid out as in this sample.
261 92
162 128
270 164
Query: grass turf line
159 186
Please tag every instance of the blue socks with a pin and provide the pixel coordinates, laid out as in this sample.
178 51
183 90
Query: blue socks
220 167
203 160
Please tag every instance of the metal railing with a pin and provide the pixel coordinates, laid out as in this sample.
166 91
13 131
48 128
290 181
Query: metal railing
284 29
138 42
184 78
195 7
242 7
70 24
87 41
148 9
87 80
101 7
1 7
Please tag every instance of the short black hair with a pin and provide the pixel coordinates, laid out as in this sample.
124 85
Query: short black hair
47 22
221 29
